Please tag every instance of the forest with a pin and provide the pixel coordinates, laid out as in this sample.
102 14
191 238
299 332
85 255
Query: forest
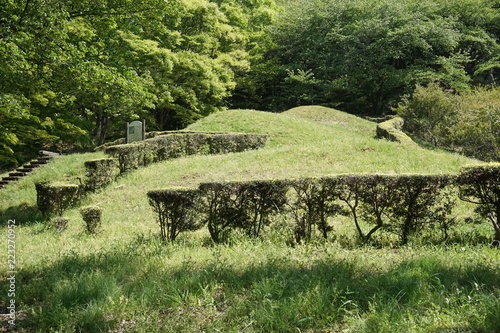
74 72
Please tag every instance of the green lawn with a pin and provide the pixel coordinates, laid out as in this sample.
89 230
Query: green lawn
125 280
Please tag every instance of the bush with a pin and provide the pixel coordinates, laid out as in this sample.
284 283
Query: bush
100 173
223 208
428 113
55 197
60 223
420 202
401 204
468 123
261 199
177 211
178 144
314 202
480 184
367 196
476 129
130 156
92 217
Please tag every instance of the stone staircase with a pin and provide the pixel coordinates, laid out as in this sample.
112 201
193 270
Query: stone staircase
26 169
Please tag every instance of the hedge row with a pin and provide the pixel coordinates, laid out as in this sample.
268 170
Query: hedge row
100 172
392 130
154 134
480 185
178 144
55 197
401 204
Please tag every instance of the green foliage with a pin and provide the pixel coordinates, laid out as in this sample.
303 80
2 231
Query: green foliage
172 145
480 184
429 113
92 216
176 211
100 173
314 202
74 73
127 279
367 197
55 197
262 200
476 129
223 209
245 205
419 203
402 204
468 123
364 56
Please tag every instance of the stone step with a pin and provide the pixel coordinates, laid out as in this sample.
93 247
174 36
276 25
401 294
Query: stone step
38 163
43 159
10 178
16 174
25 170
47 153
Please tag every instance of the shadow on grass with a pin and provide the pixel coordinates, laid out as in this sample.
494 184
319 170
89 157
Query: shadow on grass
101 291
24 214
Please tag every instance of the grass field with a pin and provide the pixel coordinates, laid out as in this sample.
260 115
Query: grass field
124 279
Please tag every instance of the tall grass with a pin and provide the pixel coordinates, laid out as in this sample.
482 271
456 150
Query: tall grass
253 286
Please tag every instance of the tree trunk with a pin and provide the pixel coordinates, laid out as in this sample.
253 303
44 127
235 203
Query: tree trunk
103 129
496 226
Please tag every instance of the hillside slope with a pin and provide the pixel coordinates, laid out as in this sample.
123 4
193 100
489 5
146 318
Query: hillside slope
303 142
80 282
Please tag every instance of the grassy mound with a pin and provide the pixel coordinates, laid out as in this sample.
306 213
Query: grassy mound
125 279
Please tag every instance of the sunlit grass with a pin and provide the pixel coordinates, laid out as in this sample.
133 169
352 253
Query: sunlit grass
124 279
256 286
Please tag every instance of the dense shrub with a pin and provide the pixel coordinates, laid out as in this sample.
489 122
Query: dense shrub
468 123
92 217
100 173
55 197
428 113
313 202
261 200
480 184
178 144
476 127
363 56
419 203
223 207
404 205
177 211
130 156
367 197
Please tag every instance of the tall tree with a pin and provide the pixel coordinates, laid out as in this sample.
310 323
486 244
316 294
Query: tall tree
364 55
74 72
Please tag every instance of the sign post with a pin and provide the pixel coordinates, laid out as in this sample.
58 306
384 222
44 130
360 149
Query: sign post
136 131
